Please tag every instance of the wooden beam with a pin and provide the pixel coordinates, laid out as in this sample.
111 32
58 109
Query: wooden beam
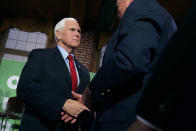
3 39
103 38
77 10
177 8
16 52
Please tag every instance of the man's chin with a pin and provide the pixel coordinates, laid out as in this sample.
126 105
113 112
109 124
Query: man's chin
75 45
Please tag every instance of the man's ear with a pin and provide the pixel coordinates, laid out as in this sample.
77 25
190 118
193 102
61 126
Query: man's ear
58 34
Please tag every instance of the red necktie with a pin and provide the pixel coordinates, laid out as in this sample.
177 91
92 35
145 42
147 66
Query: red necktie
73 73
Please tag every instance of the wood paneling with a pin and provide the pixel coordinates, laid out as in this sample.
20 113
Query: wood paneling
52 9
177 8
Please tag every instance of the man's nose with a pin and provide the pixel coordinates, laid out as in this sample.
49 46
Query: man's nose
77 34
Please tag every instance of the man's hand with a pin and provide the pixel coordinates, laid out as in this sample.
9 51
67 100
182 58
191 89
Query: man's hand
85 99
77 96
66 118
139 126
73 108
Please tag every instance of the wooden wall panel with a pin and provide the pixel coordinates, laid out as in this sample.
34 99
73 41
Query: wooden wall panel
177 8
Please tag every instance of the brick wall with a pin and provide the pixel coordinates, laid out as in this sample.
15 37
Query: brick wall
86 52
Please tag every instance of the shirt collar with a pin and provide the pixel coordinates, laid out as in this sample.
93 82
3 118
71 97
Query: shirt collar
64 53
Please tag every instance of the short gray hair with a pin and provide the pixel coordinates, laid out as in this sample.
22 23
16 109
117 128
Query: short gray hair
61 25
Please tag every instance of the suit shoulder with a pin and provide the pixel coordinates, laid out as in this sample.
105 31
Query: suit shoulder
40 52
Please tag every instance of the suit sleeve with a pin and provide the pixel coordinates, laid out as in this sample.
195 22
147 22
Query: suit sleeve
31 90
124 71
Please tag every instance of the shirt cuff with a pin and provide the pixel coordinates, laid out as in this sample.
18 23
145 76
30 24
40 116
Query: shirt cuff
148 123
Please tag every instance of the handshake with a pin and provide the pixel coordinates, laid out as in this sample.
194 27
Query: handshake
74 107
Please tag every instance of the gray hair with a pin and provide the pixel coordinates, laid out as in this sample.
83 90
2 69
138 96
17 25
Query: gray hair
61 25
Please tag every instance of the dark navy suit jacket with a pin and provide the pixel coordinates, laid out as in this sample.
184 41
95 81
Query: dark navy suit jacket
168 99
44 86
130 56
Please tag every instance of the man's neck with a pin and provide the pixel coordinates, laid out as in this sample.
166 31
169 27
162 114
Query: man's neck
68 49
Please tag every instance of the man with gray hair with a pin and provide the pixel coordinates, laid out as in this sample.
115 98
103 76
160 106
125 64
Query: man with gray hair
47 80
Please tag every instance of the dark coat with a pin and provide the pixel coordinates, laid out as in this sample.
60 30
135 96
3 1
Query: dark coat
168 99
128 62
44 86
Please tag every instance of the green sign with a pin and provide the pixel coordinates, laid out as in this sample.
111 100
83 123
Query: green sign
9 75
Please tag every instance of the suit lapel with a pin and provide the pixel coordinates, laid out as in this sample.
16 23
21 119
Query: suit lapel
65 72
111 44
80 73
62 66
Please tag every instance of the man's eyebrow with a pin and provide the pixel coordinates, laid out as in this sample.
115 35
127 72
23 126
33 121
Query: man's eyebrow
73 29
